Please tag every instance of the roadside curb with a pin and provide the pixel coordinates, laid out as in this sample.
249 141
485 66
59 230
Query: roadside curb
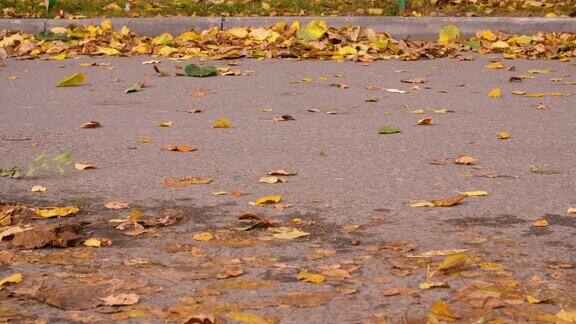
397 27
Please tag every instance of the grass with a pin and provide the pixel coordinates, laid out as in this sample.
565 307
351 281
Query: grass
151 8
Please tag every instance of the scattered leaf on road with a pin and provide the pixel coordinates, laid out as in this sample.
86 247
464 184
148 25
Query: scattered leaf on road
541 223
75 79
465 160
120 299
204 236
186 181
84 166
91 124
504 135
222 123
475 193
15 278
38 188
388 130
495 93
267 200
193 70
50 212
311 277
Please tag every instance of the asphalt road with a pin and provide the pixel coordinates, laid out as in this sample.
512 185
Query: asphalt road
346 174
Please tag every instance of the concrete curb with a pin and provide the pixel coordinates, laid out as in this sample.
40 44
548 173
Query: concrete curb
397 27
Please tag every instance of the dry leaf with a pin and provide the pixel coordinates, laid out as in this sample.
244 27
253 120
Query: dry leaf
91 124
432 284
495 65
541 223
272 179
287 233
249 318
436 253
84 166
15 278
266 200
38 188
455 261
282 118
571 210
426 121
204 236
475 193
282 172
504 135
116 205
441 309
439 202
50 212
311 277
97 242
396 91
186 181
222 123
495 93
165 123
179 148
465 160
120 299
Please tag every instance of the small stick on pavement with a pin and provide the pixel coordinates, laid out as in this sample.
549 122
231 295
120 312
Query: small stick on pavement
16 138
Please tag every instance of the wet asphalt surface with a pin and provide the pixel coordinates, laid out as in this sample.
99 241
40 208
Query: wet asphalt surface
346 174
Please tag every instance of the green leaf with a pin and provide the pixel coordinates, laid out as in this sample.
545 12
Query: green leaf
133 88
388 130
472 43
194 70
448 34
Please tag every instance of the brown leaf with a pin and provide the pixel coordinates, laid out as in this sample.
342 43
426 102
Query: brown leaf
186 181
91 124
305 299
282 118
120 299
417 80
282 172
57 234
465 160
116 205
179 148
426 121
449 201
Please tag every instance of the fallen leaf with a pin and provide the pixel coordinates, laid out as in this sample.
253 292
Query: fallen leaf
281 172
84 166
204 236
533 300
495 93
475 193
432 284
151 62
15 278
193 70
266 200
571 210
97 242
448 34
311 277
249 318
116 205
436 253
288 233
540 71
165 123
417 80
396 91
535 169
56 234
442 309
50 212
305 299
75 79
495 65
120 299
504 135
91 124
282 118
388 130
373 99
439 202
541 223
222 123
426 121
567 316
272 180
179 148
465 160
542 106
135 87
186 181
38 188
455 261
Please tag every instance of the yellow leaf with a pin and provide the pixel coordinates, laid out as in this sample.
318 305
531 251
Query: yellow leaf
12 77
347 50
56 211
135 215
433 284
311 277
551 15
475 193
222 123
93 242
495 93
189 36
313 30
165 123
495 65
106 26
435 253
454 261
487 35
448 34
533 300
108 51
38 189
571 210
72 80
248 318
204 236
266 200
166 50
489 265
541 223
568 316
259 34
424 203
500 45
440 308
539 71
504 135
426 121
15 278
58 57
239 32
265 6
163 39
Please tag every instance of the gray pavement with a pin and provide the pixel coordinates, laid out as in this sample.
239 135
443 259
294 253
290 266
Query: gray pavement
347 174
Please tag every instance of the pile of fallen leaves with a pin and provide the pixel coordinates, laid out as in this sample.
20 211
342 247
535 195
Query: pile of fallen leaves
316 40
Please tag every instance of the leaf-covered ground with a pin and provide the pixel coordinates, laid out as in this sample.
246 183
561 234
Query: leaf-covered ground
153 8
354 230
